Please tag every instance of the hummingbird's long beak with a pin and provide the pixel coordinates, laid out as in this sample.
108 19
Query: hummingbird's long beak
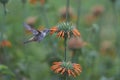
30 40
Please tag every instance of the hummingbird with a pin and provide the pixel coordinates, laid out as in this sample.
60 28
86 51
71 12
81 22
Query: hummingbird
37 35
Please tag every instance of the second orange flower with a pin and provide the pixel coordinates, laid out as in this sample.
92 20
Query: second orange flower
71 69
65 30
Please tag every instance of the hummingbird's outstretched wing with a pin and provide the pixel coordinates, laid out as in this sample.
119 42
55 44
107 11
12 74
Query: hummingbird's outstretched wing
34 31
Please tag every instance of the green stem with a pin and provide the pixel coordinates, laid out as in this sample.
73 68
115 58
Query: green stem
115 23
115 16
24 3
78 13
4 7
66 77
45 16
76 54
67 19
65 43
67 10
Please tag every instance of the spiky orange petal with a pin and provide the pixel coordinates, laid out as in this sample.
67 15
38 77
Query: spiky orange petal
58 70
69 72
54 67
59 33
74 33
76 71
73 73
63 71
77 32
62 35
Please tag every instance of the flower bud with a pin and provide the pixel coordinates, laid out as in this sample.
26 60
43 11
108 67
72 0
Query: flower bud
4 1
113 1
24 1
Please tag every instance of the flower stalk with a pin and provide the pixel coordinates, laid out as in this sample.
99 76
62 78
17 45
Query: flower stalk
78 13
116 23
66 30
67 10
67 19
4 7
43 9
4 2
65 43
75 55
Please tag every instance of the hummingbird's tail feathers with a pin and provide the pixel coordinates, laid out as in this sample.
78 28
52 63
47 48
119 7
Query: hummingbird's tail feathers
30 40
25 42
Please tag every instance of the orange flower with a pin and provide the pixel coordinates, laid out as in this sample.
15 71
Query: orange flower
31 20
107 48
76 43
62 13
42 2
65 30
97 10
72 69
33 1
90 19
5 43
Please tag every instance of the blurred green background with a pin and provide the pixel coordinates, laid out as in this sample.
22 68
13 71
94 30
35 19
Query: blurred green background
99 27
